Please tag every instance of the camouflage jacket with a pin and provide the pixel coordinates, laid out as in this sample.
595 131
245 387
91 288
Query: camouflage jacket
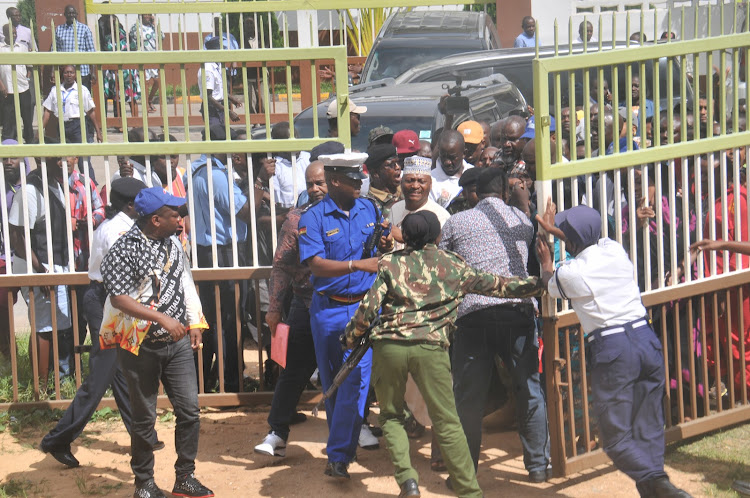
384 199
419 292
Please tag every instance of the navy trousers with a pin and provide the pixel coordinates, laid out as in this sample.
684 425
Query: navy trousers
344 411
103 372
300 365
627 381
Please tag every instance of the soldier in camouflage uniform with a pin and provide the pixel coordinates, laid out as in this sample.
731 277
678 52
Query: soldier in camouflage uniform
418 290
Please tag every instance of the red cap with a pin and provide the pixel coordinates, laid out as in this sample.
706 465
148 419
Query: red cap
406 142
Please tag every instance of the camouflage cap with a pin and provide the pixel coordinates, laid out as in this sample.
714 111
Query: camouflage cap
417 165
380 132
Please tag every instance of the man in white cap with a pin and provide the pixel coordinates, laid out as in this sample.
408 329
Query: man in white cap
336 240
416 183
354 112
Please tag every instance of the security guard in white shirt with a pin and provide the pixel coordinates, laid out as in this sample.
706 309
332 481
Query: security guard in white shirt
627 367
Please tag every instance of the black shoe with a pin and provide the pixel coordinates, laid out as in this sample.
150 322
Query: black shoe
148 489
158 445
376 431
62 455
188 485
409 488
661 488
298 418
337 470
538 476
448 483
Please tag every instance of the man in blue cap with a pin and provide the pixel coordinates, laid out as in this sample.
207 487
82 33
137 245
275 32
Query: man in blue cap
153 315
335 238
627 367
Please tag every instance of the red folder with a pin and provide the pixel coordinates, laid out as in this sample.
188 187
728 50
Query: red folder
279 343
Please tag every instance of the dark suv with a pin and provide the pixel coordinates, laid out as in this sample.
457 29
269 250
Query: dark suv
408 39
414 107
516 65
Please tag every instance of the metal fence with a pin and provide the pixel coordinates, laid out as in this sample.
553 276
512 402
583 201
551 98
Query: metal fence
115 149
686 175
660 151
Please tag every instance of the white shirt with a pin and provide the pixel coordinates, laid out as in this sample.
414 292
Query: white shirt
399 212
214 81
6 73
23 37
445 188
287 178
600 285
37 208
70 101
104 237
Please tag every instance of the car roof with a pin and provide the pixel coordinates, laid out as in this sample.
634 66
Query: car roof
426 23
490 58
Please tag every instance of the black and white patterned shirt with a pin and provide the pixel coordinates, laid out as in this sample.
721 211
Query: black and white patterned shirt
151 271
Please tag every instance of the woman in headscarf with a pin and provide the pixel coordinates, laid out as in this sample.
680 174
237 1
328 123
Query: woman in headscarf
417 291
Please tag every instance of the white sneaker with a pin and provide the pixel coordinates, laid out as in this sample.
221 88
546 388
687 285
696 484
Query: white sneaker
367 440
272 445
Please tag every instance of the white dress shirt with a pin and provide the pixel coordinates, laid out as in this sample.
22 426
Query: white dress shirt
600 285
289 182
6 72
23 37
70 101
445 188
214 81
104 237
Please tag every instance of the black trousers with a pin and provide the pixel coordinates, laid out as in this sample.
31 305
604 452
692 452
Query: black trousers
103 372
8 116
300 365
173 365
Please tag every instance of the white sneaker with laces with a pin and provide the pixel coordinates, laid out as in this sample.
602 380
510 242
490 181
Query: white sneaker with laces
367 440
272 445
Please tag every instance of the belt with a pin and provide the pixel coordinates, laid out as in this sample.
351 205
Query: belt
617 329
343 299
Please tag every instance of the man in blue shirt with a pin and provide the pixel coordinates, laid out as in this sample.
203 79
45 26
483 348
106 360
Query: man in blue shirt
333 242
74 36
218 203
528 37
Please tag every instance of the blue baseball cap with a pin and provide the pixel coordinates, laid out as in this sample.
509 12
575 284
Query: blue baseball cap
150 200
531 127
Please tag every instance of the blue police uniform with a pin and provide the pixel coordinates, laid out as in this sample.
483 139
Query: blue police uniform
328 232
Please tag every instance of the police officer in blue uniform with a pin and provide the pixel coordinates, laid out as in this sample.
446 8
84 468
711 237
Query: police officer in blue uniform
333 235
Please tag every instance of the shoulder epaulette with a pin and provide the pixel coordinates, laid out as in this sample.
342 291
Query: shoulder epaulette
308 206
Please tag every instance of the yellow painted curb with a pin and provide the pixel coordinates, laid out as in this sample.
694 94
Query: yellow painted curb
193 99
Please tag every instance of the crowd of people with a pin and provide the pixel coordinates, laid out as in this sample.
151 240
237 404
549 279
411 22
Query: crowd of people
428 247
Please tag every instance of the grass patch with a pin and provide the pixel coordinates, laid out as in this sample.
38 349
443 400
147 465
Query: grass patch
25 377
15 487
91 489
721 457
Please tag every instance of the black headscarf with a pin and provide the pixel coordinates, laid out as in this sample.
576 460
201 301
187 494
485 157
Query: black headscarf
420 228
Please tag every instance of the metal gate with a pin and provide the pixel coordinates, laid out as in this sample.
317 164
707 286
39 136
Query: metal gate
660 151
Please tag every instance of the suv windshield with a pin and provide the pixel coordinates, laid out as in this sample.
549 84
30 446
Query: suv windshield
390 62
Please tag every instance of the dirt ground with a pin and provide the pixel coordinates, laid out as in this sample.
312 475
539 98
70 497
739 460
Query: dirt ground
227 464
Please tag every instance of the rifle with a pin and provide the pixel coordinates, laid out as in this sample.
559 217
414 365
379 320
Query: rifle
351 362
